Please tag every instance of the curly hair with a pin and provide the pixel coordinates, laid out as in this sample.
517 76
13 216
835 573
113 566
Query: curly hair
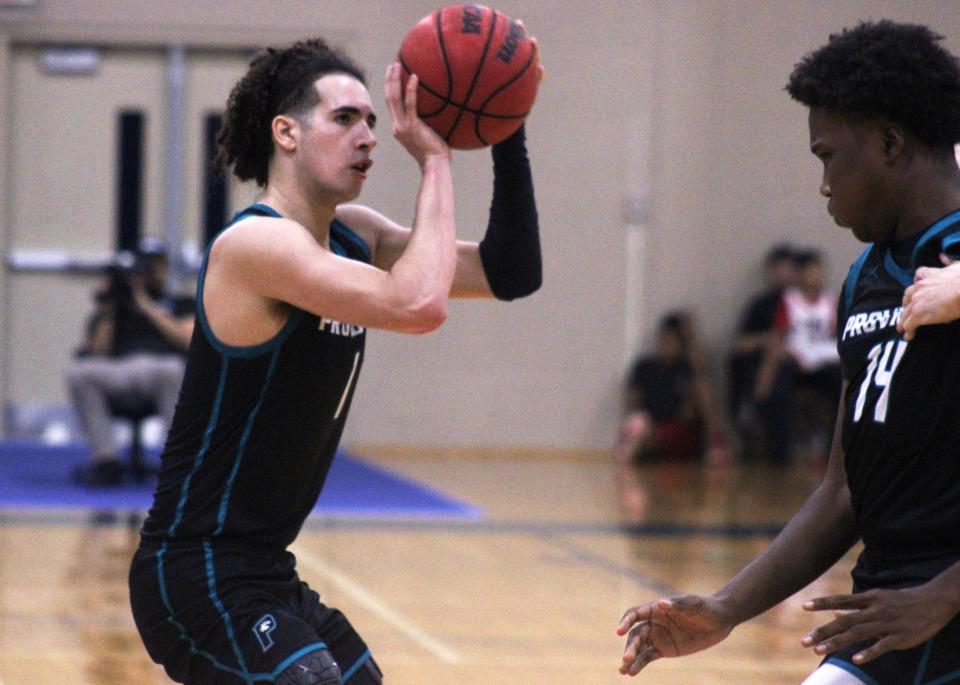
279 81
886 69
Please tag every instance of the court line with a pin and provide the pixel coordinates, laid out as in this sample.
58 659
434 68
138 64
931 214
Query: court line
14 515
589 558
361 595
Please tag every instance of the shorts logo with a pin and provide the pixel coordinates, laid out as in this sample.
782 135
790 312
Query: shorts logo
263 629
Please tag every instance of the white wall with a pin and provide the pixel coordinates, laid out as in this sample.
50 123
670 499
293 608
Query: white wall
728 175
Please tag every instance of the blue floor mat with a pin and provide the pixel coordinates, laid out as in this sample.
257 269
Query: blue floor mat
37 476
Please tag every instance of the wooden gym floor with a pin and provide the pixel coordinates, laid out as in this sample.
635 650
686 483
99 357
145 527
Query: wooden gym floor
528 595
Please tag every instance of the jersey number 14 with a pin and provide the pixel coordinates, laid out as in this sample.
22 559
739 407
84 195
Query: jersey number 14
884 358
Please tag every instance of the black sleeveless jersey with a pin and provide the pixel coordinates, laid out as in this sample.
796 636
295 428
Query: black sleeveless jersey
256 428
901 429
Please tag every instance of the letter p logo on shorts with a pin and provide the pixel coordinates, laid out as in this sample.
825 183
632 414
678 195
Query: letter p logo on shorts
263 628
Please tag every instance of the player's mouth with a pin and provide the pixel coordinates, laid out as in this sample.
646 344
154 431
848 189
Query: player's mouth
363 167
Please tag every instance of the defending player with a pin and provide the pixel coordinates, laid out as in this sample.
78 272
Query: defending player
884 103
285 295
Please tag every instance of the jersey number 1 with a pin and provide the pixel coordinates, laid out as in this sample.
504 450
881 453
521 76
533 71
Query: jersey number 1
880 372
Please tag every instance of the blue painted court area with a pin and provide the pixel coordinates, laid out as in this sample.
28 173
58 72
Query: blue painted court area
37 476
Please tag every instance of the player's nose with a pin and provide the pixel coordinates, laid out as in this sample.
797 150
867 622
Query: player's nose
825 189
368 140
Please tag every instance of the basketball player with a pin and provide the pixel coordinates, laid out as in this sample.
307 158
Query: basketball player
285 296
884 113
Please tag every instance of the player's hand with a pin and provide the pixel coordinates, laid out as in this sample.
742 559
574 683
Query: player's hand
420 140
933 298
541 70
670 627
896 619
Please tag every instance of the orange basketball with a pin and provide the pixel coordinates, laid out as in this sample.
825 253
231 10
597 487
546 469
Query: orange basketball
478 74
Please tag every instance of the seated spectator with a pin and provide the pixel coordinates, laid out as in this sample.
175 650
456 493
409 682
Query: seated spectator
671 412
806 323
763 423
135 345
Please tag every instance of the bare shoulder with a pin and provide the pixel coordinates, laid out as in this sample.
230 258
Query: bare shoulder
257 234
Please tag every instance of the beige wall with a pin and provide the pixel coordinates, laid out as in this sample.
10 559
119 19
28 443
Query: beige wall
681 102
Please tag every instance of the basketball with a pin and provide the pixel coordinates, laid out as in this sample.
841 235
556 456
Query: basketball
478 74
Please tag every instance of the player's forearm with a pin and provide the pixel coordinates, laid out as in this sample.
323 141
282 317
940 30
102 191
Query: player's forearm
424 272
820 533
510 249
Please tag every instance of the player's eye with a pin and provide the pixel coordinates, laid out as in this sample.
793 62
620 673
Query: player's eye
342 118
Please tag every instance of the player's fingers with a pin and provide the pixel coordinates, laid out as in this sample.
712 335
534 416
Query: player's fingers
642 658
945 260
391 90
410 96
646 656
857 601
853 635
641 612
881 646
908 294
636 642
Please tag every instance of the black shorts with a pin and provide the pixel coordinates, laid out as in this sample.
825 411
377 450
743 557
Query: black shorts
216 616
935 661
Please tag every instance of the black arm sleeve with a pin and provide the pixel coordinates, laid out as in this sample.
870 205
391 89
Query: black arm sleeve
510 250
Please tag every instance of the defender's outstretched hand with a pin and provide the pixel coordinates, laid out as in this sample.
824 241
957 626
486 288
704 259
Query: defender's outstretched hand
933 298
670 627
897 619
420 140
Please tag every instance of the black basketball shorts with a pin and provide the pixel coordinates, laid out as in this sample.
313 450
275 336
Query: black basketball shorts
214 616
935 661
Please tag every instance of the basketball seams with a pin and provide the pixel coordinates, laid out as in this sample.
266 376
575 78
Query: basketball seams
468 110
476 74
444 101
480 113
443 53
477 84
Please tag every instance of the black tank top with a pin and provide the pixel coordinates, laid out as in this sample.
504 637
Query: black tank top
256 428
901 429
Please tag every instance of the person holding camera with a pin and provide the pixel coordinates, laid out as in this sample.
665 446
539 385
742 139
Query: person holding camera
134 350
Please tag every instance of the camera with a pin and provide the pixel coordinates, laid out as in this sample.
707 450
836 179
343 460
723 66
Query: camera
118 290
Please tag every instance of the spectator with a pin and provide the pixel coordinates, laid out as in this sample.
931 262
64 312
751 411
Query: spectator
135 344
806 323
763 424
671 411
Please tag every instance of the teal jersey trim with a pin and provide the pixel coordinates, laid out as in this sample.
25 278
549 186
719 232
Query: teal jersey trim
181 629
338 228
850 285
948 243
241 450
204 447
902 276
349 673
244 675
852 670
240 350
928 235
222 610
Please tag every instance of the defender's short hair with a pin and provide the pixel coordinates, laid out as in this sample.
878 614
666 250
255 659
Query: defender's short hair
886 69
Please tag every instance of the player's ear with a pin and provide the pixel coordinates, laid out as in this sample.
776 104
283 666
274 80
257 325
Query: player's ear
286 132
893 139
